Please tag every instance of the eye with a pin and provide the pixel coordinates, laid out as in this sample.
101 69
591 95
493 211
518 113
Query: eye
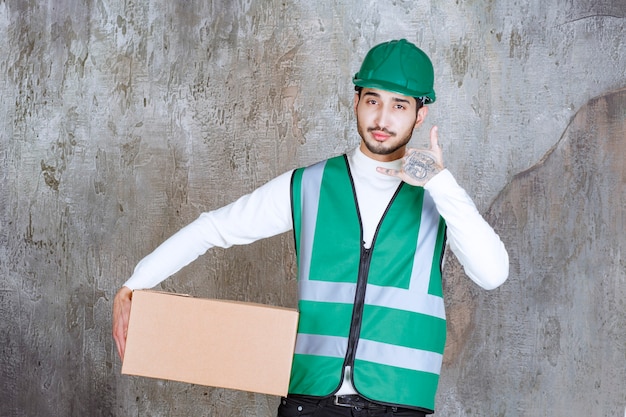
400 106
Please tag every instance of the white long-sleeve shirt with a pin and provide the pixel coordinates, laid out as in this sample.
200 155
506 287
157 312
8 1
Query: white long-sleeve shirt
267 212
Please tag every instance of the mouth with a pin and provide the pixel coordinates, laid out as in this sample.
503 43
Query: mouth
380 135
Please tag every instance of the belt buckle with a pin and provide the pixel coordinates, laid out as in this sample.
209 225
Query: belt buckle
337 400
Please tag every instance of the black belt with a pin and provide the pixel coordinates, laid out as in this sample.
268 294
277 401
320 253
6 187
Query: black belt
355 402
359 403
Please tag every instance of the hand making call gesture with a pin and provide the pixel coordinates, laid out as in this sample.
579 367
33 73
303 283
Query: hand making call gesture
419 165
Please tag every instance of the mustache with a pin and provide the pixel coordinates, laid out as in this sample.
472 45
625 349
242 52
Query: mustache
378 129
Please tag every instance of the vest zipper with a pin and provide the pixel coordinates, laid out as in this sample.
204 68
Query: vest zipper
361 284
359 303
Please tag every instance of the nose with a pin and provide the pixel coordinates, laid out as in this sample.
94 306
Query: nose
382 117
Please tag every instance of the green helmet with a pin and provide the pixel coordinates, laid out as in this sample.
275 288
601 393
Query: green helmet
400 67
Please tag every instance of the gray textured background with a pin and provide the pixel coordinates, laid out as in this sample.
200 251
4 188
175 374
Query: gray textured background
123 120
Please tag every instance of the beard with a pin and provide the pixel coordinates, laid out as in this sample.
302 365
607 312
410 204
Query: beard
391 145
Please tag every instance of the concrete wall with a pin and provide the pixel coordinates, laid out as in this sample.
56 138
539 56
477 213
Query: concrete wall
123 120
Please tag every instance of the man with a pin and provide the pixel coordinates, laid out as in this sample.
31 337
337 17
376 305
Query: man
370 229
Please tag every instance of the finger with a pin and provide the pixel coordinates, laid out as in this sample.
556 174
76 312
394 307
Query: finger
434 138
118 336
388 171
120 348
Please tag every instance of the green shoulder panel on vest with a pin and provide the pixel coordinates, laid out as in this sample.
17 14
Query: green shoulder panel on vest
337 239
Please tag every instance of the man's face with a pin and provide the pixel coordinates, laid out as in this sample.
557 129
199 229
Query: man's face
385 122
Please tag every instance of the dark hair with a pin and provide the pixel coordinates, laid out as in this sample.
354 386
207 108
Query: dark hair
419 101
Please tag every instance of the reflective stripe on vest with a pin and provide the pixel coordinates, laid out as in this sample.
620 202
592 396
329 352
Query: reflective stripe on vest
401 318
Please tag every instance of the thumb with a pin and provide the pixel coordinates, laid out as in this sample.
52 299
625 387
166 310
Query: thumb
434 138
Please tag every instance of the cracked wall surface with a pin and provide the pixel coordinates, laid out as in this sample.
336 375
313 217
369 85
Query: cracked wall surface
123 120
563 343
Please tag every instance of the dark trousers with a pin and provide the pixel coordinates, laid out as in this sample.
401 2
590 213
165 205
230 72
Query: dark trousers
297 406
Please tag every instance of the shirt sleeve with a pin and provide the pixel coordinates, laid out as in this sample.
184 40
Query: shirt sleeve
263 213
472 240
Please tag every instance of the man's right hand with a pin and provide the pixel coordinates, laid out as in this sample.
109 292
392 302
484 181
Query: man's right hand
121 314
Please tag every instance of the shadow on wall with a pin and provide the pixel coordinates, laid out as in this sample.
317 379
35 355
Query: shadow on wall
552 339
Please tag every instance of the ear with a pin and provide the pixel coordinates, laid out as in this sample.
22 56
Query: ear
356 101
421 115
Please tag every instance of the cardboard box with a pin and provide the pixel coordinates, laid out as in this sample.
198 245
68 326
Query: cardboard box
228 344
